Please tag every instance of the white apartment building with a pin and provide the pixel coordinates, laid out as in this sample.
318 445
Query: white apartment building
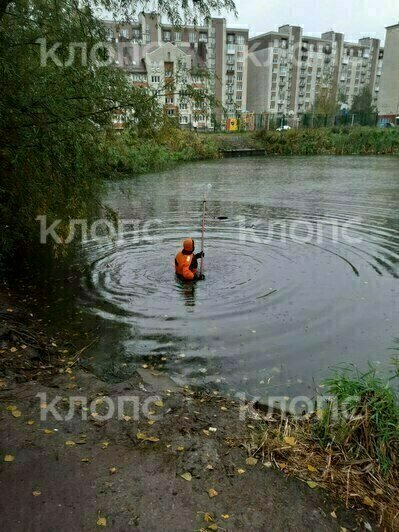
388 98
173 62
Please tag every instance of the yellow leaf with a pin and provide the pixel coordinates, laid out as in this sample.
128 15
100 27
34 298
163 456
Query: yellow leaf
9 458
145 366
282 465
152 438
208 518
16 413
70 443
186 476
10 310
213 526
113 470
210 467
333 514
84 460
68 370
311 484
159 403
311 468
48 431
251 461
367 501
11 408
36 493
151 421
206 432
23 346
105 444
126 418
101 521
141 436
212 493
31 422
290 440
180 449
225 516
379 491
13 349
223 408
240 471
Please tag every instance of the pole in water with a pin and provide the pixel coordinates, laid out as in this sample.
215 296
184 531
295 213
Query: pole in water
203 226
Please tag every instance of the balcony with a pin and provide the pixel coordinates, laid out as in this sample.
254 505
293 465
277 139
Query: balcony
345 61
231 50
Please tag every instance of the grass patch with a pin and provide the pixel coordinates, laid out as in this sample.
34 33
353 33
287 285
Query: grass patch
350 448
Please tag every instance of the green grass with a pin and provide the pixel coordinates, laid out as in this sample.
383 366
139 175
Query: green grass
366 422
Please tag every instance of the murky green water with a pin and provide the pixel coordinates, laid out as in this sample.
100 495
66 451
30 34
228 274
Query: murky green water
335 294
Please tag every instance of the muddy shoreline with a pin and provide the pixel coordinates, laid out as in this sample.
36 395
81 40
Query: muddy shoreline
174 459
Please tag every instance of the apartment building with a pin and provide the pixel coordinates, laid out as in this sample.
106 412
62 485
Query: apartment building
287 69
173 62
388 98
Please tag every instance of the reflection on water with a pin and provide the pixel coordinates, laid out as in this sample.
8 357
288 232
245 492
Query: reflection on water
273 313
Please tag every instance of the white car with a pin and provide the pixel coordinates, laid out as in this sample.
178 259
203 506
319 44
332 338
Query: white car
283 128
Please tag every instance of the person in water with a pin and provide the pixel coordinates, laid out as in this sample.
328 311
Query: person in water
186 262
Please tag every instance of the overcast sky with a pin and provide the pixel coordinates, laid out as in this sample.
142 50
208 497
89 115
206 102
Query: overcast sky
354 18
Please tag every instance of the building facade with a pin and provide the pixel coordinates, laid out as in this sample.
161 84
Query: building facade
388 98
286 70
199 74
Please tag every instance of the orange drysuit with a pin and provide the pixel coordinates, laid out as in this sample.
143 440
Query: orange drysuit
186 263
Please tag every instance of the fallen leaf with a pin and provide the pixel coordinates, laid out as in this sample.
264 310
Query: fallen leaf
268 464
23 346
240 471
145 366
367 501
213 526
48 431
180 448
105 444
85 460
186 476
208 518
13 349
16 413
126 418
151 421
251 461
379 491
70 443
159 403
152 438
9 458
212 429
11 408
36 493
212 493
290 440
311 484
225 516
113 470
223 408
311 468
10 310
31 422
282 465
333 514
210 467
101 521
206 432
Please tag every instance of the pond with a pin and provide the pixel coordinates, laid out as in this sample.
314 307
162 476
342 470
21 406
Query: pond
301 264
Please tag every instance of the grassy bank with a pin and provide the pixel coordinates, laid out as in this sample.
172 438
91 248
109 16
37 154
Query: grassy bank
128 154
350 448
333 141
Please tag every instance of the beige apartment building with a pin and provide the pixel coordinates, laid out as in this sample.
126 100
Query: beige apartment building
388 99
211 58
286 69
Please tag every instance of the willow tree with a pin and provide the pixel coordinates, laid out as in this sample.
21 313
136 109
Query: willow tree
58 95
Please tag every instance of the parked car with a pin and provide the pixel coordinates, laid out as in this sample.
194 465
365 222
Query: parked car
283 128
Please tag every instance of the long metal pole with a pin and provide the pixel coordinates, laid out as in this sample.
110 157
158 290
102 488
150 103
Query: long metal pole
203 235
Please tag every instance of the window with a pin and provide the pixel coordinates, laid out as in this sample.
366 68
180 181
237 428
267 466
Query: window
124 33
135 35
155 79
239 77
203 37
240 39
230 38
184 120
166 36
177 36
192 37
183 106
239 86
169 99
170 112
240 67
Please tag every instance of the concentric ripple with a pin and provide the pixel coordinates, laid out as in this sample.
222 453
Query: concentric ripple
301 269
